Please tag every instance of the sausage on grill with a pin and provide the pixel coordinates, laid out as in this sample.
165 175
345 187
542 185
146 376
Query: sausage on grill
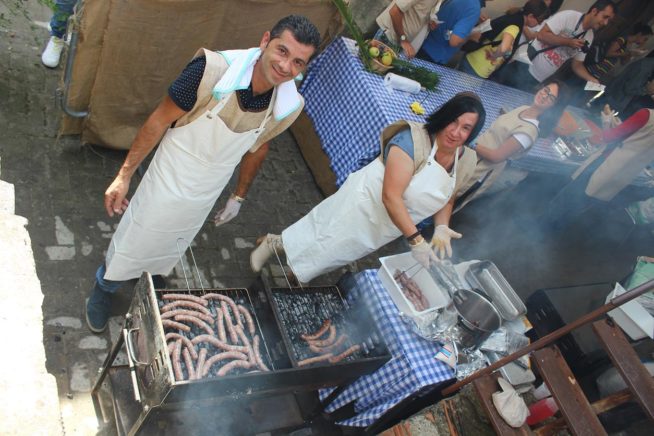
318 333
197 321
188 362
177 366
328 349
222 356
353 349
218 344
228 323
220 324
187 297
325 342
185 303
175 325
226 299
201 359
233 365
248 318
316 359
257 354
186 341
203 316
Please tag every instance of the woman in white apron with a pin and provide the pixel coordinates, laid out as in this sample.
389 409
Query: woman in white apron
511 136
383 200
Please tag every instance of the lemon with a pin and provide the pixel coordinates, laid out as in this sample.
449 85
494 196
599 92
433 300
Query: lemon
374 52
387 59
417 108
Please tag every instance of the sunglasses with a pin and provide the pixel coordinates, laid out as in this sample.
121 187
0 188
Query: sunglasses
551 97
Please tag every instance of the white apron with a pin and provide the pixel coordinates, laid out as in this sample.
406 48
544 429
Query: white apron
191 167
353 222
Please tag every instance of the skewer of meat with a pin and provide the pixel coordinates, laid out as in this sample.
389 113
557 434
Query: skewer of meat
228 322
189 364
186 341
248 318
330 348
315 359
327 341
201 359
187 297
220 324
218 343
318 333
197 321
222 356
177 366
353 349
185 303
175 325
257 354
233 365
173 313
226 299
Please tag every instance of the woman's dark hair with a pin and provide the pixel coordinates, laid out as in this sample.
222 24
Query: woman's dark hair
537 8
550 118
458 105
303 30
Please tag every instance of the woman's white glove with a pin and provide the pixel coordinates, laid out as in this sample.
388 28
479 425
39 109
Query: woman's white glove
230 210
423 253
441 240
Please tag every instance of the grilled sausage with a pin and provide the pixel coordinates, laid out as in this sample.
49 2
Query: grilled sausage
203 316
175 325
188 362
226 299
222 356
185 303
186 341
187 297
233 365
197 321
318 333
257 354
327 341
201 359
218 344
353 349
328 349
316 359
220 325
177 365
248 318
228 323
246 342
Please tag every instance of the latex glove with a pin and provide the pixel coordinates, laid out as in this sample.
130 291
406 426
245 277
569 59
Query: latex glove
423 253
441 240
230 210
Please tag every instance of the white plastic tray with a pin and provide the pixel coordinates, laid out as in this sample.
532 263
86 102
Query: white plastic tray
436 297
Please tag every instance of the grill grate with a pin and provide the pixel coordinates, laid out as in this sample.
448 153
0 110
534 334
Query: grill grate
303 312
241 297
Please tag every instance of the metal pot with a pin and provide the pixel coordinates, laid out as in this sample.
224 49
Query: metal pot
478 318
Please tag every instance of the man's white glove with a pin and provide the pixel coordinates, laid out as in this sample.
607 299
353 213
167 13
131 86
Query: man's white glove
423 253
441 240
230 210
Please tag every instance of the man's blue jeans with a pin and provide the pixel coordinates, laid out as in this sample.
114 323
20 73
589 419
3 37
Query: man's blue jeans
104 285
59 21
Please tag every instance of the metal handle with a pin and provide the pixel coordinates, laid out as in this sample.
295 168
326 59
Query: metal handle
131 354
130 362
281 265
62 94
181 259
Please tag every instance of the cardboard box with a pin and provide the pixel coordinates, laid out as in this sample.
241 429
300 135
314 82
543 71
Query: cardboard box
632 317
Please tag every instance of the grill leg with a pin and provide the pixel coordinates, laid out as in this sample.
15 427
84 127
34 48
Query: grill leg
108 362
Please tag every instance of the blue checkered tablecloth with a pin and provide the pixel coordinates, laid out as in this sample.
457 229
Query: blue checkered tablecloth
411 368
349 108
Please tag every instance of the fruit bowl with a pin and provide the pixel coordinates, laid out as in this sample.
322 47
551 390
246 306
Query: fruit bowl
376 63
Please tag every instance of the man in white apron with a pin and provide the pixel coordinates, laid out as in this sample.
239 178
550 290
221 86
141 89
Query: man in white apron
220 112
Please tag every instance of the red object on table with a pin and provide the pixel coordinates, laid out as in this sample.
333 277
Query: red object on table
541 410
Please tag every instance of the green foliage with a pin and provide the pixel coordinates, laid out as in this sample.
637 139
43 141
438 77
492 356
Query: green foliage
428 79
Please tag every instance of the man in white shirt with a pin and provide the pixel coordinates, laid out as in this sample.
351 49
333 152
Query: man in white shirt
565 35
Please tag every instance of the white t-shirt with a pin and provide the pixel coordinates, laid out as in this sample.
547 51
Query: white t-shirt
520 54
567 24
524 139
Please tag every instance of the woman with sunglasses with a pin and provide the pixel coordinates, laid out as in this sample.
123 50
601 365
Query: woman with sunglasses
512 134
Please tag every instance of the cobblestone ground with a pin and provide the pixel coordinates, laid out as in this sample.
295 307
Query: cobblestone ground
60 183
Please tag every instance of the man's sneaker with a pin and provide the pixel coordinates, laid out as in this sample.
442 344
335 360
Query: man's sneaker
98 309
52 53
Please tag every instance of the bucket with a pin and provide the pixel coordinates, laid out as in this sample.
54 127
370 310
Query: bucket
478 318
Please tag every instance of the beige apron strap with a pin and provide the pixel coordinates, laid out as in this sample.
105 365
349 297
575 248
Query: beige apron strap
421 141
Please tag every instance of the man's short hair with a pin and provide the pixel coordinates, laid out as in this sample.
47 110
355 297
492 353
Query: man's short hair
537 8
600 5
303 30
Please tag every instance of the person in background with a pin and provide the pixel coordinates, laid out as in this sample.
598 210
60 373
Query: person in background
500 42
512 135
565 35
219 113
620 50
404 24
456 20
414 178
624 92
624 152
58 27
